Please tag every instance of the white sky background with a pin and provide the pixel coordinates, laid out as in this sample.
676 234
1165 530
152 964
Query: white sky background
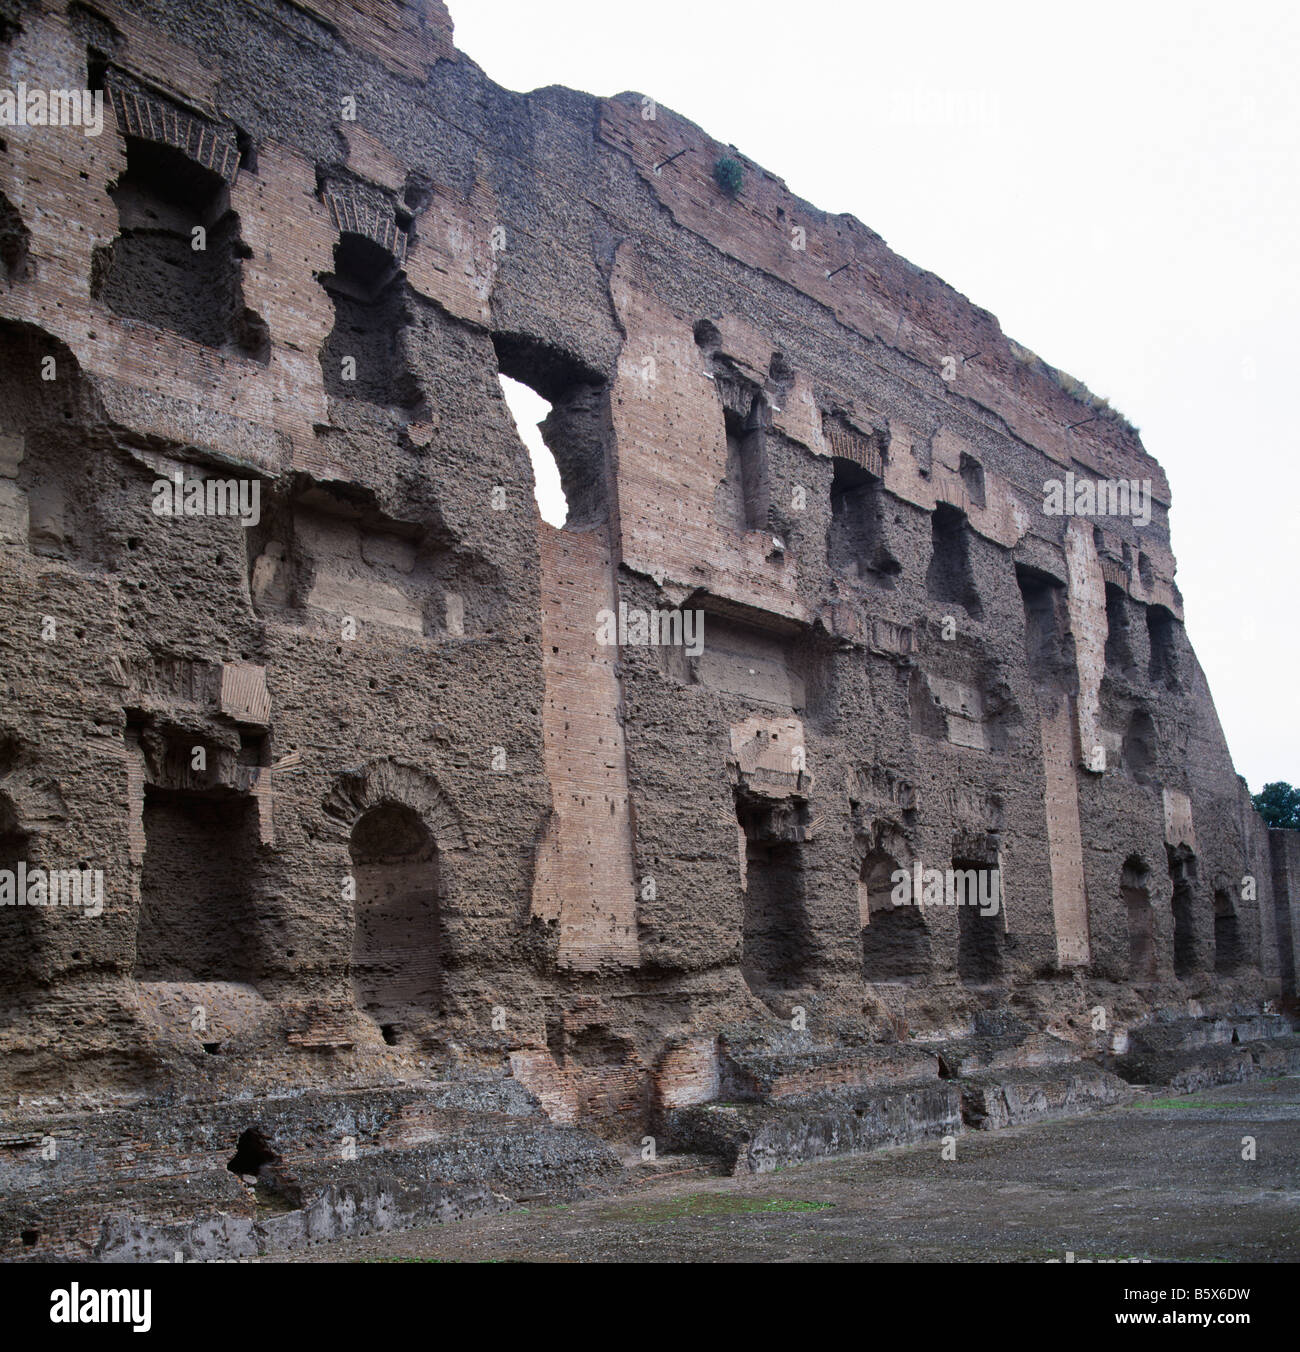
1119 183
528 408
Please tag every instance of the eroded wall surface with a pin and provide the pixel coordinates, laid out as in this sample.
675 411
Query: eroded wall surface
369 793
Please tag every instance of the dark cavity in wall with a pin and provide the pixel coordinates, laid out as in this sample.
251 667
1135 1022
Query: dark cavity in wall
857 544
742 501
895 942
1182 873
256 1158
364 356
1119 646
972 476
980 937
397 950
1228 950
15 266
18 953
1161 632
777 934
152 272
577 430
1049 646
744 495
198 918
1141 746
949 577
1135 892
252 1153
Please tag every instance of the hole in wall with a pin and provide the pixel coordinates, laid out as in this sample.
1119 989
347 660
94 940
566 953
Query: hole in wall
1182 873
575 432
1162 636
276 1189
856 544
743 498
22 931
397 947
247 151
950 576
1135 891
1141 746
707 336
197 920
417 192
1228 948
1049 645
364 356
253 1152
895 942
15 238
529 410
777 935
1119 646
153 273
972 477
980 937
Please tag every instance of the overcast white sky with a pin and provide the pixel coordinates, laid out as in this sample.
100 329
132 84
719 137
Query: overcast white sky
1118 183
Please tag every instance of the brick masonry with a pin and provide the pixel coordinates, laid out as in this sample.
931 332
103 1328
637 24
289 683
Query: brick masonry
393 672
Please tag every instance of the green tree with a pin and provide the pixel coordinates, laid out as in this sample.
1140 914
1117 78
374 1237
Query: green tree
1279 805
729 175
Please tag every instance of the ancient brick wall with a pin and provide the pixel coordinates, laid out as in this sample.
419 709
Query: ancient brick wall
437 824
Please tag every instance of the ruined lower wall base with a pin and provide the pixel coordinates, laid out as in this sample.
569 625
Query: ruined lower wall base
240 1178
236 1178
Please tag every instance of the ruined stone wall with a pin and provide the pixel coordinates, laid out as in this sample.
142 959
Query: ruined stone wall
598 859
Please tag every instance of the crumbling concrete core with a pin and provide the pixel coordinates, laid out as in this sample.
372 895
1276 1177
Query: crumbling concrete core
839 743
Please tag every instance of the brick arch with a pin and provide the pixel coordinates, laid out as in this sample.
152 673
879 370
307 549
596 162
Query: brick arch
391 783
352 215
149 118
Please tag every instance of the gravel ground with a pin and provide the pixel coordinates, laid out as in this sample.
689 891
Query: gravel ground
1162 1179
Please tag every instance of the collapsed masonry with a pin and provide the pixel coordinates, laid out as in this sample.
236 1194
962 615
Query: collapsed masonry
416 894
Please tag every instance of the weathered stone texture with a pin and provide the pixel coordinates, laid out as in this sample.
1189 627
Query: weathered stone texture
373 803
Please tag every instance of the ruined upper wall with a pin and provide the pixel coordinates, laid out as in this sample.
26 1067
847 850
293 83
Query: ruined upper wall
844 265
583 246
378 54
408 36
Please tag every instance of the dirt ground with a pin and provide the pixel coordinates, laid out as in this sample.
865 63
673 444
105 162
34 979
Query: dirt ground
1160 1179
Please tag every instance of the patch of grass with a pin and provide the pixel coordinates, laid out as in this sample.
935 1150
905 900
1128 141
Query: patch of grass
1194 1102
1075 388
709 1204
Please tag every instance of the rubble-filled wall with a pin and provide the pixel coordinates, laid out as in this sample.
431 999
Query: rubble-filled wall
374 787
